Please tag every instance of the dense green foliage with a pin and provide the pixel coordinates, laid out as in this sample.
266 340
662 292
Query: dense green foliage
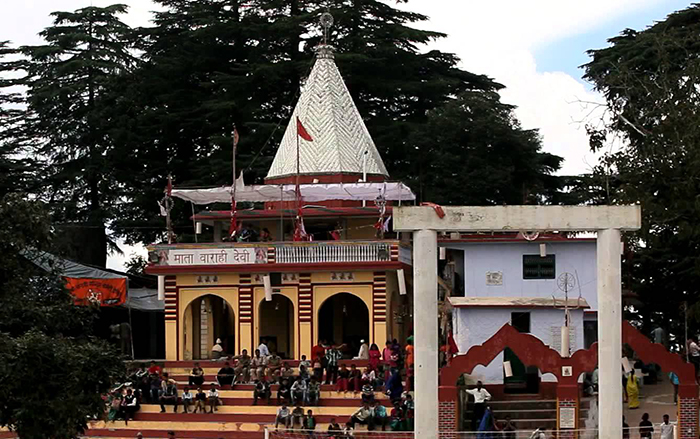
651 83
474 142
53 372
14 170
72 89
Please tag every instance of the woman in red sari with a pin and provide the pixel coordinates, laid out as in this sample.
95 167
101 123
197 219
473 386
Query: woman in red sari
374 357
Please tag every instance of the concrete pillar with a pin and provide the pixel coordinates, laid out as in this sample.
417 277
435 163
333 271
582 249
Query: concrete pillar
425 317
609 333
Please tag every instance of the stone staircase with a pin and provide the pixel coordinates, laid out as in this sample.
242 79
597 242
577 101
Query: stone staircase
526 414
236 418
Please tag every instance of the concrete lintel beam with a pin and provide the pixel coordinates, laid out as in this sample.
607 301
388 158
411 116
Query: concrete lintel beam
518 218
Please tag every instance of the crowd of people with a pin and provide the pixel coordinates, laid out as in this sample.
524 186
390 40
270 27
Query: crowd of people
152 385
384 370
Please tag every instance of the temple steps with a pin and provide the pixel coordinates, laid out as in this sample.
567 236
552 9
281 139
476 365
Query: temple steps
325 394
194 418
159 429
322 402
526 414
259 409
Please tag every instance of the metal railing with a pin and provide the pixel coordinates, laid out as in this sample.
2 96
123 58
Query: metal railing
319 252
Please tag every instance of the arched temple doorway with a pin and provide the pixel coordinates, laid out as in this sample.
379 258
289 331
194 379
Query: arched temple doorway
207 318
344 318
277 325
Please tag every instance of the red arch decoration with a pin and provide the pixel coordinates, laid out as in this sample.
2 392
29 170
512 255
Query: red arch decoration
531 351
656 353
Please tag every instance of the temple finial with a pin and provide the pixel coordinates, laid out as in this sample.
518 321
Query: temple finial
326 22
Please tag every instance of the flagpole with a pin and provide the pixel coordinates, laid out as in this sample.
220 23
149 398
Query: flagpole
233 190
235 144
298 170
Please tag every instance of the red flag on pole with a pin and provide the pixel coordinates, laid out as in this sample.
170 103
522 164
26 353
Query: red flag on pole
234 227
301 132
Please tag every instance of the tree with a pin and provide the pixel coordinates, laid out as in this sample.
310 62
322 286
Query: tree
475 143
71 96
14 171
212 63
136 265
651 81
53 371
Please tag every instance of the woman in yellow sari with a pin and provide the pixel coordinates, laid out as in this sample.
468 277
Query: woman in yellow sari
632 391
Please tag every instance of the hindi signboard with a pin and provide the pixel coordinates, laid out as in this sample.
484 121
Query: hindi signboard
216 256
102 292
567 417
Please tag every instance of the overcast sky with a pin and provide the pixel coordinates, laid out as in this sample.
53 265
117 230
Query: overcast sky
533 47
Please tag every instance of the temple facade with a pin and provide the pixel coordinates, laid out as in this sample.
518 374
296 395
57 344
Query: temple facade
350 281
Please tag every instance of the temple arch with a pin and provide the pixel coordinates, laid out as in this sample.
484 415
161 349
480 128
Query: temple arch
277 325
207 318
344 318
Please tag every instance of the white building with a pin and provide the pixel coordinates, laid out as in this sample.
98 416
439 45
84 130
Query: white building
508 279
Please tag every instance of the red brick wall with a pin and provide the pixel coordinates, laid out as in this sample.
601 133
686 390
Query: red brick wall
687 418
447 419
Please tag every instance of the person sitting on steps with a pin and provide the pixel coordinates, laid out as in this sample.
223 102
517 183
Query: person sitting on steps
261 391
129 406
298 416
200 401
169 396
257 366
380 415
213 398
284 392
196 377
309 422
186 400
217 351
284 416
242 370
313 392
225 375
363 416
274 364
341 384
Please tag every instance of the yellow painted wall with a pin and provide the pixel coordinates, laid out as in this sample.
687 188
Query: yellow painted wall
191 279
324 277
306 340
323 292
170 340
229 294
259 296
246 338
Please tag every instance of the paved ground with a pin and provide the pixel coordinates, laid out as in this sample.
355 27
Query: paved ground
657 400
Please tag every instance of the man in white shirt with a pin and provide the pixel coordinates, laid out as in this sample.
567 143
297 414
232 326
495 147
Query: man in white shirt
264 351
694 352
480 395
216 350
666 429
284 416
213 398
364 351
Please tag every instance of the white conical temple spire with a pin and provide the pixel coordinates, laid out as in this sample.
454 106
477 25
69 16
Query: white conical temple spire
340 137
